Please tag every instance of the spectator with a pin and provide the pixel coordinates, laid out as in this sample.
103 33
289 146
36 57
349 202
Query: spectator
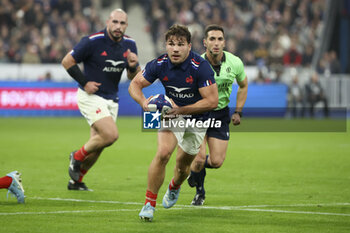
46 77
248 58
292 57
329 64
261 54
323 65
315 94
31 55
275 59
334 63
296 98
3 57
261 77
307 56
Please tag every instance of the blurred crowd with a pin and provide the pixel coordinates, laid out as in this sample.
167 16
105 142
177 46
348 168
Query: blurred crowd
43 31
266 33
273 33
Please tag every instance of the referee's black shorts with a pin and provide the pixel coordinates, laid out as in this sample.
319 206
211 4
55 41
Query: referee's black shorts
223 132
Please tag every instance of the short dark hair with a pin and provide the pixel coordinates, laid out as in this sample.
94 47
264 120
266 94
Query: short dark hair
178 30
213 27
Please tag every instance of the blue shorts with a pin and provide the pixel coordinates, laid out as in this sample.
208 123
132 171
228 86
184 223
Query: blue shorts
222 133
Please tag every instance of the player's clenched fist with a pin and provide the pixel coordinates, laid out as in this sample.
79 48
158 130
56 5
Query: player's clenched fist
132 59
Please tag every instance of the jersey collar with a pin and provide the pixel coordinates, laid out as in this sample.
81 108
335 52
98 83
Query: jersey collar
223 59
217 68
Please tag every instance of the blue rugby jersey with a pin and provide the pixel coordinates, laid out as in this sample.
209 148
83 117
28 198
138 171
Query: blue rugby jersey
104 61
181 82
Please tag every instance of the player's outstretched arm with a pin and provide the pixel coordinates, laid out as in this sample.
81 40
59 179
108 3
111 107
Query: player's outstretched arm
135 90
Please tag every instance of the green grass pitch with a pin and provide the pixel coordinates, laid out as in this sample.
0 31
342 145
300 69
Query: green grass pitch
270 182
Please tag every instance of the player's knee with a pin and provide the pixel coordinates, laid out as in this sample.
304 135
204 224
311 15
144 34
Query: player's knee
216 163
163 155
110 138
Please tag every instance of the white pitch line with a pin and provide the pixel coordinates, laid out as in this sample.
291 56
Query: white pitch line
182 207
204 207
264 206
175 208
80 200
68 212
297 205
294 212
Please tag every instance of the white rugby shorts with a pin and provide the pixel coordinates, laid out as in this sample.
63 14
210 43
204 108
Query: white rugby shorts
188 138
94 107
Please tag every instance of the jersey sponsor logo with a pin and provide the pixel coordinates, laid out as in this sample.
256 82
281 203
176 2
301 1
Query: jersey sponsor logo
182 95
104 53
178 93
115 63
165 79
177 89
114 69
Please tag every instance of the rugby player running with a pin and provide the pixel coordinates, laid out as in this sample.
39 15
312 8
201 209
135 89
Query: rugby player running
189 81
105 55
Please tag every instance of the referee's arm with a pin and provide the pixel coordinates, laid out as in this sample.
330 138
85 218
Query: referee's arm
241 98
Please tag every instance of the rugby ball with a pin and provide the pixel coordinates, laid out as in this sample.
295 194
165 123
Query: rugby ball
160 103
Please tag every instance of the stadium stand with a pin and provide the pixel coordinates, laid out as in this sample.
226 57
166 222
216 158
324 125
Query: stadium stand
42 31
260 32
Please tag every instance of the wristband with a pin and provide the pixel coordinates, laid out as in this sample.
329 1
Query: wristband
77 75
239 113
